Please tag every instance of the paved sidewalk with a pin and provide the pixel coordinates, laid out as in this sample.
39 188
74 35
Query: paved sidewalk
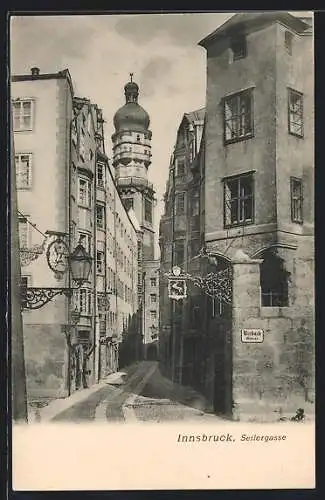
57 406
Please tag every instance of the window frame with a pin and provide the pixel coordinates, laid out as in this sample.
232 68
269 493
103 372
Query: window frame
102 225
240 40
146 202
21 115
30 167
88 192
293 199
87 310
236 117
153 282
180 162
288 39
292 92
101 261
178 197
25 221
239 198
101 184
151 298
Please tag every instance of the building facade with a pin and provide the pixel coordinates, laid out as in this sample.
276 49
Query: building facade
257 216
180 244
131 161
65 186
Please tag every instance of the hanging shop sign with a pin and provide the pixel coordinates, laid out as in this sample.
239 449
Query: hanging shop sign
177 288
252 335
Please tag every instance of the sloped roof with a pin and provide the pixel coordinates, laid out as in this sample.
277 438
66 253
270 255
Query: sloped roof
197 115
248 21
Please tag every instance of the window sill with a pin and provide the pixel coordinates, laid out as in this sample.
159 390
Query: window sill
239 224
80 205
238 139
273 311
24 130
299 136
26 188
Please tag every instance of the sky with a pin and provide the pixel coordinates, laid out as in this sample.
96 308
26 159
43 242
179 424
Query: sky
101 50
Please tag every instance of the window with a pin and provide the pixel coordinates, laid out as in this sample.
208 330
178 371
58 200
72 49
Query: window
23 232
273 281
24 283
82 150
128 203
179 254
153 281
100 262
100 216
153 298
100 175
138 137
180 203
296 200
84 337
239 47
23 170
180 168
238 116
288 37
153 315
85 241
23 114
238 200
84 192
139 250
147 210
295 113
84 301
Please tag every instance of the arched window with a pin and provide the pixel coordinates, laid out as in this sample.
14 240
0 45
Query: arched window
274 281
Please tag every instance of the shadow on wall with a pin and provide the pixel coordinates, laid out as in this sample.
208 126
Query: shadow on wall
131 348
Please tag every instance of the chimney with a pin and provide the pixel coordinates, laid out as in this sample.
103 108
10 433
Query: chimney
35 71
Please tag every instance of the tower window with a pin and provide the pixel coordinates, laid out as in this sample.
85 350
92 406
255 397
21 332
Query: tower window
238 116
239 200
138 137
296 192
147 210
288 37
153 281
239 47
295 113
273 281
153 298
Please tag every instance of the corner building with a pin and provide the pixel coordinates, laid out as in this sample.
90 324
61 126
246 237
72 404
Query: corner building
259 175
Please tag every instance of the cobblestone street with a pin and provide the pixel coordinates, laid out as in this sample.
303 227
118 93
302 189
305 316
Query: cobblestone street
140 394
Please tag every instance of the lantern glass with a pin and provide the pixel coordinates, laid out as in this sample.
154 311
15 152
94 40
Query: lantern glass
80 264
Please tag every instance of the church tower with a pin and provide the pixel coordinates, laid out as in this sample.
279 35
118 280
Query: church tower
131 160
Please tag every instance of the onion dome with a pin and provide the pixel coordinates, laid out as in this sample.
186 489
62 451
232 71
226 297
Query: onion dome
131 116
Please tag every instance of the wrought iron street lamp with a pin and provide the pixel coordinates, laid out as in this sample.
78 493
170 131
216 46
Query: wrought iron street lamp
60 261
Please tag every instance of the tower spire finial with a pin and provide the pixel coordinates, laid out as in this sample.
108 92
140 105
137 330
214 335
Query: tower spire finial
131 76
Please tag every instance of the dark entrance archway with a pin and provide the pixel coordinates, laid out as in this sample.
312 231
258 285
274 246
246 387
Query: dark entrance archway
219 335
